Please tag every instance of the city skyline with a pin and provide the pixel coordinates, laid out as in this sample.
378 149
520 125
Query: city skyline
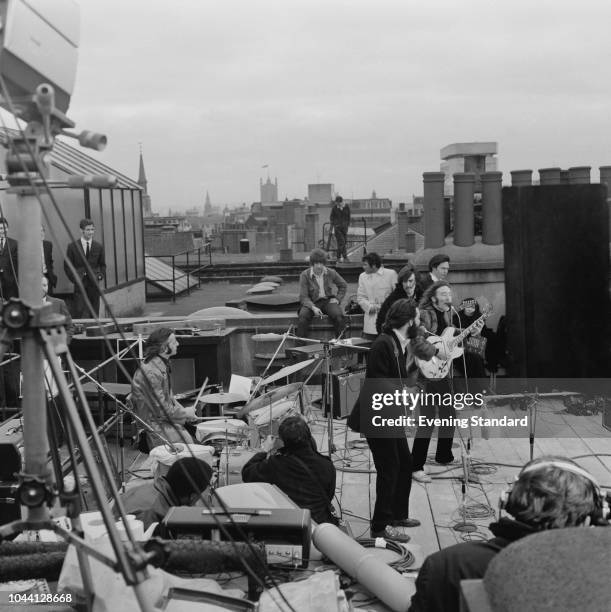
359 94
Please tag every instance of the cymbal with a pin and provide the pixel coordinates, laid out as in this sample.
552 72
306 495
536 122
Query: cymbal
222 398
270 397
287 371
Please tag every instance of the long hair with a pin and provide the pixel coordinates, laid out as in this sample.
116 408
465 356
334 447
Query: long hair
401 312
429 294
405 273
551 497
155 342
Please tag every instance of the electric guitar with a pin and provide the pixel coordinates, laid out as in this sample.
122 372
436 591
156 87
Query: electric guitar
439 368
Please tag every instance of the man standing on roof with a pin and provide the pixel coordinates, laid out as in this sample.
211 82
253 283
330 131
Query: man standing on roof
340 221
375 284
79 251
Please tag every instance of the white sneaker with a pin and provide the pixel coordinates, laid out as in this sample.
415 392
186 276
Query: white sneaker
420 476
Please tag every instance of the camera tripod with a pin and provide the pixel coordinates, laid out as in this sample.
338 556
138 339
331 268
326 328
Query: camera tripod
44 336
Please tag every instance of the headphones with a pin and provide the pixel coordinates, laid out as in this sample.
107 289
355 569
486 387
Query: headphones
601 513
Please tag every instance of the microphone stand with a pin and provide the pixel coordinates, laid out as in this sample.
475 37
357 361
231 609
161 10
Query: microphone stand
327 399
284 339
463 526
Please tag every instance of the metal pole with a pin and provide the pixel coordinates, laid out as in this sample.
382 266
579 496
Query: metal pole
35 443
173 279
188 275
199 267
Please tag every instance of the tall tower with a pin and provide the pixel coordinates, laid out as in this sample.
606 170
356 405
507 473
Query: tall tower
269 191
146 198
207 205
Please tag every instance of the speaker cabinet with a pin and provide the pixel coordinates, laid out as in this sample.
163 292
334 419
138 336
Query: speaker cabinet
556 241
346 388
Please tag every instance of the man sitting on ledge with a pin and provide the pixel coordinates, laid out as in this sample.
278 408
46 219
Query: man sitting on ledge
550 493
298 470
321 291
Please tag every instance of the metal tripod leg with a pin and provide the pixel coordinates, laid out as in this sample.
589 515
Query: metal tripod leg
53 345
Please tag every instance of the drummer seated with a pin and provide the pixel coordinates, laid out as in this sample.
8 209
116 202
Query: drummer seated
297 469
152 397
184 483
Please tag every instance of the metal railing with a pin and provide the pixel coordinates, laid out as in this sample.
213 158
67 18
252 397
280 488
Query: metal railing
328 234
174 265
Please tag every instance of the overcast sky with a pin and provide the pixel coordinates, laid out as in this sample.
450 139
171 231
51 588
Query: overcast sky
359 93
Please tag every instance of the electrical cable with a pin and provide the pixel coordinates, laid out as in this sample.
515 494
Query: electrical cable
406 557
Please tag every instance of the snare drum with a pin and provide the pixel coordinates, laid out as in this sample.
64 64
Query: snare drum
268 419
231 463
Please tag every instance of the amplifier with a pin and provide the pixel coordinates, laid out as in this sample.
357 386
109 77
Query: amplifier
346 388
284 532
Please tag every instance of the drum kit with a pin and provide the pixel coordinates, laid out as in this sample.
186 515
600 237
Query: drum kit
235 438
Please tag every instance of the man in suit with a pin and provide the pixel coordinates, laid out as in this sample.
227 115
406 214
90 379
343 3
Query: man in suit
8 263
47 261
85 248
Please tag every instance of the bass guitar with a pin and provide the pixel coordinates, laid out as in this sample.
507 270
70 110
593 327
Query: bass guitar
439 368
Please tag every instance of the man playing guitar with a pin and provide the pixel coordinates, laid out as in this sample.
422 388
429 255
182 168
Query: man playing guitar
435 317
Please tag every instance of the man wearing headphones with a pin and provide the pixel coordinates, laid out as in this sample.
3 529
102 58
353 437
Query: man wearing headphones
550 493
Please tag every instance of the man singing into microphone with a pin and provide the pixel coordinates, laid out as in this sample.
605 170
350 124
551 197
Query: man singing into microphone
435 316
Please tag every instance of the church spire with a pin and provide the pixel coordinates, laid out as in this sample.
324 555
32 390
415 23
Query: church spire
141 174
207 204
146 199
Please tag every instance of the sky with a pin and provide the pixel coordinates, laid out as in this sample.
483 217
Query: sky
359 93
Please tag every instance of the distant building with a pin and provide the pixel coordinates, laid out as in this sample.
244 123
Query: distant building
371 203
146 198
207 205
417 207
168 224
320 193
476 157
269 191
